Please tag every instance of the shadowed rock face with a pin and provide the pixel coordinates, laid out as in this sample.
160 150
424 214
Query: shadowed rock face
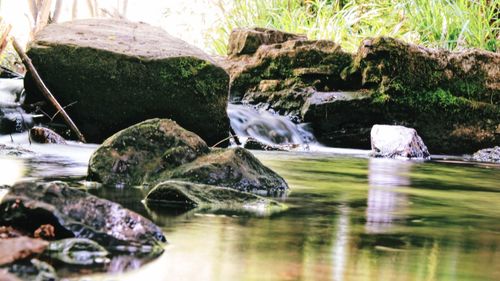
74 213
397 142
157 150
116 73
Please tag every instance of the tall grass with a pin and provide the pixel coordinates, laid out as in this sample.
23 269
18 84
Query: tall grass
450 24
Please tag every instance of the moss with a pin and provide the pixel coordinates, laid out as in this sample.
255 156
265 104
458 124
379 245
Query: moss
109 87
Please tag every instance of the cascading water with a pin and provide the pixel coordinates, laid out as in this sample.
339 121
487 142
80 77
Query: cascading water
267 128
278 131
13 119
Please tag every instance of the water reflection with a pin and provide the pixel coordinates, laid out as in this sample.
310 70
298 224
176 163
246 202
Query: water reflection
340 251
385 201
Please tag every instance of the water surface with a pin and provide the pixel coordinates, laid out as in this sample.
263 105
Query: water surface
348 218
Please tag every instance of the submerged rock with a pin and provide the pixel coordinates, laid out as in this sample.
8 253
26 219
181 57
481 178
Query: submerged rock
157 150
191 195
74 213
397 142
116 73
487 155
45 135
19 248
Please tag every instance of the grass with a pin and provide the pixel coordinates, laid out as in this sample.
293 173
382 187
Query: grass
450 24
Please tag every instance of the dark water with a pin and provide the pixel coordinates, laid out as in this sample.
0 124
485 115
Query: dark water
348 218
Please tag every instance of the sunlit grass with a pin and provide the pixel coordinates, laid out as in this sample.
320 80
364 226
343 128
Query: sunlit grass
450 24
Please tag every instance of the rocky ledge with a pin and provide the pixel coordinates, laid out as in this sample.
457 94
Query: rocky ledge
450 98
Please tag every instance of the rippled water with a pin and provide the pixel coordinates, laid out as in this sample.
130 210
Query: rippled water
349 218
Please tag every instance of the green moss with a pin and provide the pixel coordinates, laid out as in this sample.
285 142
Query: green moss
114 91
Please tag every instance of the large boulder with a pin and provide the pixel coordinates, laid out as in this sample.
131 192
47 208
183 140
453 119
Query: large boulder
157 150
116 73
74 213
397 142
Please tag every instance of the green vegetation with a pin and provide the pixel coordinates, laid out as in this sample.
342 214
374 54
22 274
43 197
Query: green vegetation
450 24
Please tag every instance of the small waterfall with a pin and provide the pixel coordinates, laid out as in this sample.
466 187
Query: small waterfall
13 119
267 128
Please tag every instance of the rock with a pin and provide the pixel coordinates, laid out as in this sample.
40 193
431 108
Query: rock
136 154
234 168
342 119
120 73
77 251
158 150
397 142
19 248
248 40
45 135
487 155
450 98
317 63
74 213
190 195
392 64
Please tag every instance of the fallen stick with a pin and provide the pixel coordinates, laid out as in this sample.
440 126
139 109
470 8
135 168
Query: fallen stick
45 91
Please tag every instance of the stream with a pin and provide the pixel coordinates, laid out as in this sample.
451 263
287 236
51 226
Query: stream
349 217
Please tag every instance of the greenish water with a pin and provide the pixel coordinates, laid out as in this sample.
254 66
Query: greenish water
348 218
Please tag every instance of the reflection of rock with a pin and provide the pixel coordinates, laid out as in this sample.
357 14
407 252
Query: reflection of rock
77 251
487 155
74 213
190 195
397 142
33 270
384 202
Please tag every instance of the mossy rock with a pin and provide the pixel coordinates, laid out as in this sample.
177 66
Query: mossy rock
116 73
188 195
318 63
235 168
157 150
403 68
138 153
